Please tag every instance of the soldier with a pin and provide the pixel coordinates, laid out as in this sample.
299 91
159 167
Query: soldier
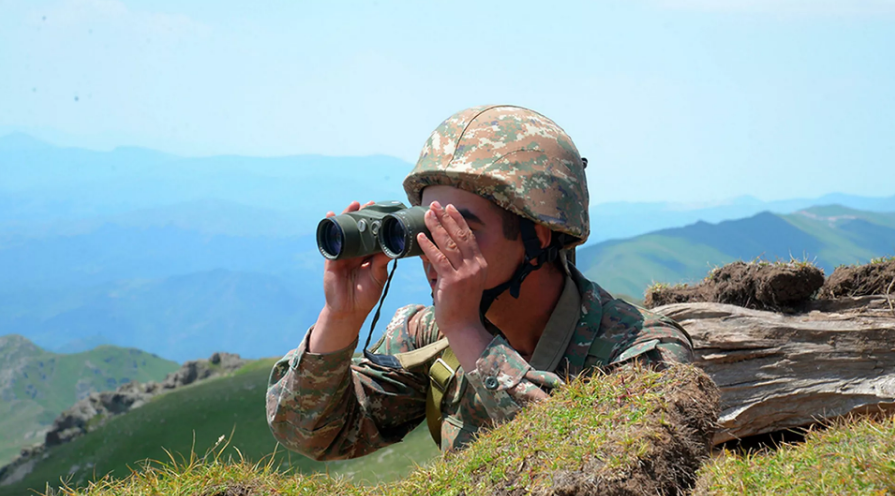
511 318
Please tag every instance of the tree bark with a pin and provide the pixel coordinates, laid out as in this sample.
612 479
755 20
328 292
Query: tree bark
778 371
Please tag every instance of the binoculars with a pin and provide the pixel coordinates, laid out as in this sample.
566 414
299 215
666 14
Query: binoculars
388 227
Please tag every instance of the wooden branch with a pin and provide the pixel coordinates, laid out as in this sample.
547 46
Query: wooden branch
782 371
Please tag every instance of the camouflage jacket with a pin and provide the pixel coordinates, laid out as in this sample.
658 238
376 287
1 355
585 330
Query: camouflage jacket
330 406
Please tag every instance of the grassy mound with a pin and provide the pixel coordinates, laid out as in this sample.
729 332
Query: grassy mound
758 285
847 459
193 418
635 431
875 278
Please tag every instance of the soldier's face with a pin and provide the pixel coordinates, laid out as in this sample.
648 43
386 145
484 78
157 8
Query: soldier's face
485 219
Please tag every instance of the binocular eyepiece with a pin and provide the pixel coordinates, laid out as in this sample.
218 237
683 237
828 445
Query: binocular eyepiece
389 227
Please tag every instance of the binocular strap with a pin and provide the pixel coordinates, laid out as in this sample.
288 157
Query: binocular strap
388 361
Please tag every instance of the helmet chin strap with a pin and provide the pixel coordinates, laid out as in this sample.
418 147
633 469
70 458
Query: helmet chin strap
533 251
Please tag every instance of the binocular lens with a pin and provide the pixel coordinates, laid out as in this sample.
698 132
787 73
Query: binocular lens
393 236
330 239
399 232
385 227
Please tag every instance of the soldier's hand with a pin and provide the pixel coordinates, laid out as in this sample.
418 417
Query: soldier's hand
353 286
460 265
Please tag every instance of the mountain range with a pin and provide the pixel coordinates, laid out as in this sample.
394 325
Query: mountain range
36 385
44 189
827 236
185 256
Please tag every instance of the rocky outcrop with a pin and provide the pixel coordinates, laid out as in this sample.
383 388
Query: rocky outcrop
197 370
93 411
779 371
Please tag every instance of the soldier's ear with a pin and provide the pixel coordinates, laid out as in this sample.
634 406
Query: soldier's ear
545 235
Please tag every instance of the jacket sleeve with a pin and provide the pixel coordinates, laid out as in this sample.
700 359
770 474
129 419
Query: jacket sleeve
506 382
331 407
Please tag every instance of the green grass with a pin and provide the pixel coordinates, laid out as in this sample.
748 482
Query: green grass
611 426
47 383
19 427
606 429
192 419
854 458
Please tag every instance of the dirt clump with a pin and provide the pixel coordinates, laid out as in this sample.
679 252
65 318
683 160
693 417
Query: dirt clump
677 453
234 490
875 278
663 294
756 285
676 417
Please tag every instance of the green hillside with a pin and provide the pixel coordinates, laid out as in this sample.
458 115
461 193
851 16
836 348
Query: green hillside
36 385
828 235
636 431
194 417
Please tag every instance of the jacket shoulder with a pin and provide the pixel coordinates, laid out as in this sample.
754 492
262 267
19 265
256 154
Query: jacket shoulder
627 330
412 327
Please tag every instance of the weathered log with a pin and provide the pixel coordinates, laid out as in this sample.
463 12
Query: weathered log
779 371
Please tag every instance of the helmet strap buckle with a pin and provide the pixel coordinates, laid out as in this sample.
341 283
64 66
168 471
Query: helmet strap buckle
533 252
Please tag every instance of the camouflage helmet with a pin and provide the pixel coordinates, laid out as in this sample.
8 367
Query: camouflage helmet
514 157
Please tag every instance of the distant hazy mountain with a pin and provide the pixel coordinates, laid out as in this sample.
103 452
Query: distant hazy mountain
37 385
206 217
171 291
187 256
624 220
44 188
828 235
184 317
44 184
111 252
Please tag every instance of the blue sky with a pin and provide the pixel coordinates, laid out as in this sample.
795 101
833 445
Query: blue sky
671 100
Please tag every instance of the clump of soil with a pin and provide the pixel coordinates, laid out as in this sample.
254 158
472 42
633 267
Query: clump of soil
640 433
863 280
756 285
236 490
662 294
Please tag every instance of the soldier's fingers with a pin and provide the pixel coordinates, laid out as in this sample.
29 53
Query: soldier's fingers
439 262
456 226
365 205
378 267
330 214
352 207
442 238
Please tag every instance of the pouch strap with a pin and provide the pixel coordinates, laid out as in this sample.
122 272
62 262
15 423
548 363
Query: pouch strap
413 359
441 373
